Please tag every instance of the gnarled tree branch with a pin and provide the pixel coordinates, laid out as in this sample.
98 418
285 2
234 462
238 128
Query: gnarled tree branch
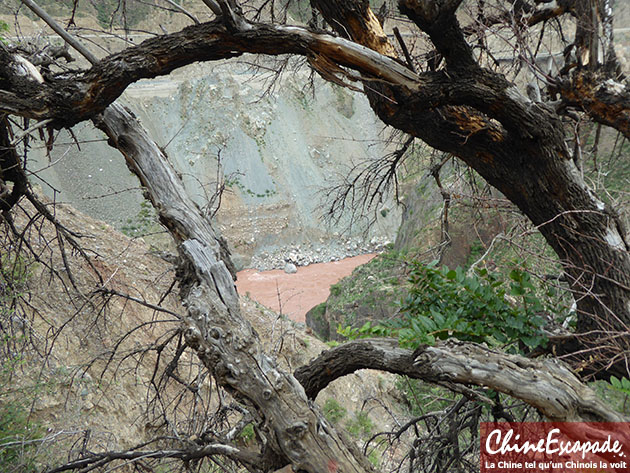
546 385
98 460
535 171
224 341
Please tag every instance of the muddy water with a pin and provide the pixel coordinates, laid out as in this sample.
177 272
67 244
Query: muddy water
295 294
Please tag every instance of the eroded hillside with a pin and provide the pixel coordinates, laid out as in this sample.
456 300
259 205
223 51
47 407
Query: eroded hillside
90 360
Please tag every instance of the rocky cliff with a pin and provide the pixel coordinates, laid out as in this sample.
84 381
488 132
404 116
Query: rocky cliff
276 147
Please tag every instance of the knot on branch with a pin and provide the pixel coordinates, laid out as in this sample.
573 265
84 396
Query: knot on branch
16 72
297 430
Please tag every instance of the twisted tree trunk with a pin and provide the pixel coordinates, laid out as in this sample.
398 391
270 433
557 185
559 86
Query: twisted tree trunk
293 430
519 147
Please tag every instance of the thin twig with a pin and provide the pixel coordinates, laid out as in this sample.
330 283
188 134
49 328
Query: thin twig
403 46
57 28
183 10
20 136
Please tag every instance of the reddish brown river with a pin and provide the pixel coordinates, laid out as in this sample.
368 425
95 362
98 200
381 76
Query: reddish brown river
295 294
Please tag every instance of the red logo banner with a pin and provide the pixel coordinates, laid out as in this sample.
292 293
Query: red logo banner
528 447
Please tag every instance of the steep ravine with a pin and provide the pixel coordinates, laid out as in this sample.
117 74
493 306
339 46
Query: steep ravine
276 153
88 377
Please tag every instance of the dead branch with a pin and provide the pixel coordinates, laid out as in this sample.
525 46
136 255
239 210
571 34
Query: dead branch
547 385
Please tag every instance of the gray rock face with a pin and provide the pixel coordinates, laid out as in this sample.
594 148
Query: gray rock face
276 156
290 268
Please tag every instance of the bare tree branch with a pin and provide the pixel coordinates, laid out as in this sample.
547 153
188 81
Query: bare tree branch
546 385
193 453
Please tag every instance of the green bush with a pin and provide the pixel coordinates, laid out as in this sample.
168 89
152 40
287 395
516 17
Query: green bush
247 435
17 453
333 411
4 28
18 434
622 385
14 274
145 222
443 303
360 426
615 393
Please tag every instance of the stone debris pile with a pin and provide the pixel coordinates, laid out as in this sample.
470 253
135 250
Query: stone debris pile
291 257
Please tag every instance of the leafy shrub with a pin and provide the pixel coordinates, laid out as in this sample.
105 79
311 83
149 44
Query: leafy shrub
14 274
419 397
17 452
145 222
622 385
17 433
4 27
333 411
360 426
247 435
335 290
615 393
111 12
371 291
443 303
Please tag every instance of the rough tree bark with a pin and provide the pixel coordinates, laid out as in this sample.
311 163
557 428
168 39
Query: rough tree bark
544 384
519 147
293 430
